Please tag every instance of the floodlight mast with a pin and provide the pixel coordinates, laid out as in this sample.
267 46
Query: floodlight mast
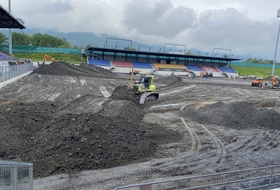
10 33
274 61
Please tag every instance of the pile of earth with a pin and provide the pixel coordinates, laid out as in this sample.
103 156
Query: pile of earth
59 142
237 115
124 93
96 69
169 80
64 68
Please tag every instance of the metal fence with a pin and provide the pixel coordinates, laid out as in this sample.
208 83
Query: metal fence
255 178
16 175
10 71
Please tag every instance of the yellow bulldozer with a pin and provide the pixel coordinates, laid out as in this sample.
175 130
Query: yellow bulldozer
146 89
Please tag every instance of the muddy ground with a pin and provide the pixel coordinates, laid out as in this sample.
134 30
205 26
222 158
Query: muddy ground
82 128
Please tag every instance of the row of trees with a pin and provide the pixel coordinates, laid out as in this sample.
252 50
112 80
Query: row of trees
254 60
38 39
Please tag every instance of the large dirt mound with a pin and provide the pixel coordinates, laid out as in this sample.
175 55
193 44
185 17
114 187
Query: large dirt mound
64 68
98 137
58 142
169 80
238 115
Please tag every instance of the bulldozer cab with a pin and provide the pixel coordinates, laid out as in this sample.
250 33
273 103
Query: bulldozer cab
146 84
146 89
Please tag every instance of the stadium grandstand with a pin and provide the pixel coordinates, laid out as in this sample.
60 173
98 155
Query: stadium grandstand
10 66
160 63
7 20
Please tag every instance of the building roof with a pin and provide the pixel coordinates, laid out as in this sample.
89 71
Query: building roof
9 21
177 55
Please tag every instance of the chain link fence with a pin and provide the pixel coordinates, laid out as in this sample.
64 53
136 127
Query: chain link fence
16 175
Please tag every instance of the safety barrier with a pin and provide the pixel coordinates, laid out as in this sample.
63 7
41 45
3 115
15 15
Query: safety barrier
10 71
255 178
16 175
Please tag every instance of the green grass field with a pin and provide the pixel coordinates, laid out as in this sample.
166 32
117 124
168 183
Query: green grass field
257 71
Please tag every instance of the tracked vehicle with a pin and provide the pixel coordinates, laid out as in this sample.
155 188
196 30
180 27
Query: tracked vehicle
146 89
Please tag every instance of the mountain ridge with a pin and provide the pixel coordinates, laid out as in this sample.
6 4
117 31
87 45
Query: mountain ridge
84 39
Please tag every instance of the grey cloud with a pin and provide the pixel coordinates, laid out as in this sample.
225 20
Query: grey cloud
158 18
59 7
234 30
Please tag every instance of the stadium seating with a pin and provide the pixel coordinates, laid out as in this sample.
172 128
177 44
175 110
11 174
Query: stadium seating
122 64
4 56
98 62
227 70
193 68
169 66
209 69
143 65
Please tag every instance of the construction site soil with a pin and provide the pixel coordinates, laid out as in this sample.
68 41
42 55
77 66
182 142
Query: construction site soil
82 127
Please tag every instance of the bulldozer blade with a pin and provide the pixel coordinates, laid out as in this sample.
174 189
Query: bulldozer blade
148 97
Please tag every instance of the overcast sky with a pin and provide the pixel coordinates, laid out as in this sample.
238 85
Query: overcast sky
244 26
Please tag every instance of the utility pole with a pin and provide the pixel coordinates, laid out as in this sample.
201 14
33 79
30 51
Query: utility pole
10 33
274 61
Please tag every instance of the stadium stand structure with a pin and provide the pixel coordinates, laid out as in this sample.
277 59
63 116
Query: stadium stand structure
193 68
227 70
4 56
7 20
160 63
167 69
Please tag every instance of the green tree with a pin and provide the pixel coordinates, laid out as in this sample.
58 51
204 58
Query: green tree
36 39
189 53
129 48
3 39
254 60
20 39
46 40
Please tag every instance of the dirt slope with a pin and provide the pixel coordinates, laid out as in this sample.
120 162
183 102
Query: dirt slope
62 139
237 115
64 68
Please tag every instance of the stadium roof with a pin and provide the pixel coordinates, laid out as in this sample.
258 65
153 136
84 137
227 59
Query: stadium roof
9 21
177 55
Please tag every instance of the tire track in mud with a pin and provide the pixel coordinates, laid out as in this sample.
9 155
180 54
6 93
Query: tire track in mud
199 156
195 141
221 150
254 142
